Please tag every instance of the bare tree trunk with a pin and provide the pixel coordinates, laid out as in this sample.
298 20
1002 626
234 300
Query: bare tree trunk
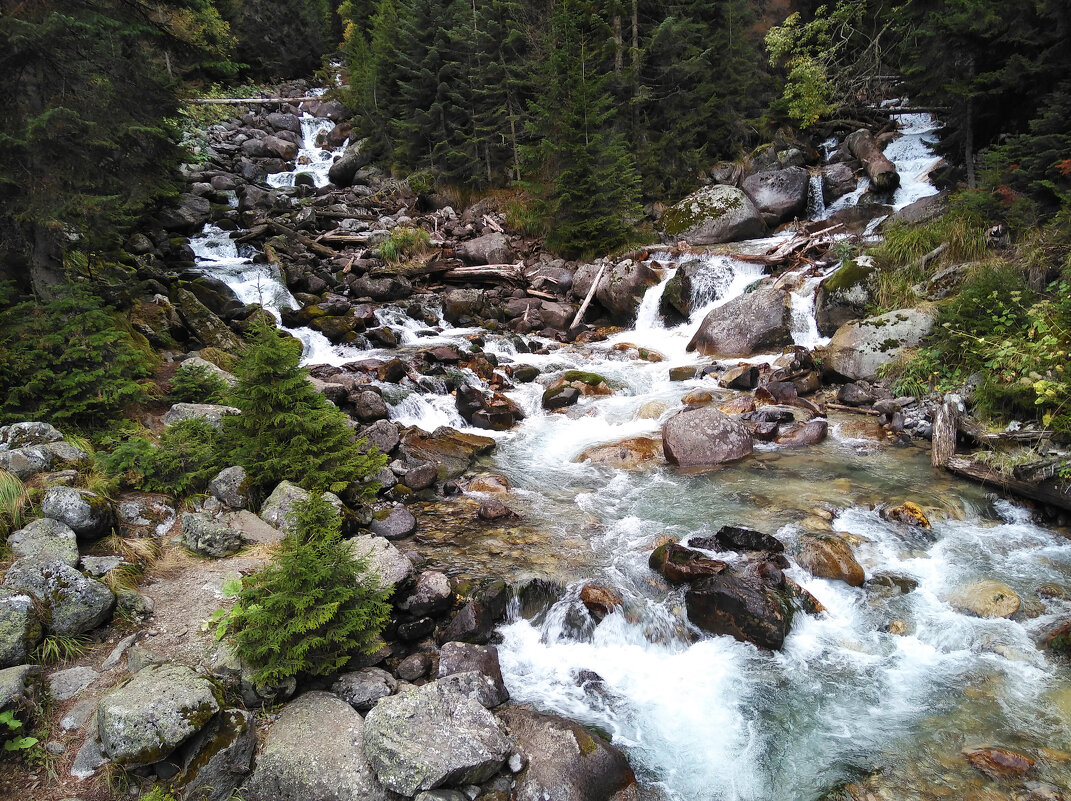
46 263
619 46
944 435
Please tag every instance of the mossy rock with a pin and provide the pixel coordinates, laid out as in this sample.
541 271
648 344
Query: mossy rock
590 379
850 275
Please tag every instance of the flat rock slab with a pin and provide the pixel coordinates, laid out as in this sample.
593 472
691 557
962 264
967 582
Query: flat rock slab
66 684
431 737
315 750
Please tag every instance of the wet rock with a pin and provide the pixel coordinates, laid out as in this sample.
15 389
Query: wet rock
362 689
830 557
838 180
456 658
628 454
987 598
704 437
219 757
74 602
89 515
908 513
369 406
600 601
315 750
560 397
742 404
421 476
209 537
741 540
681 565
496 413
999 763
161 707
563 760
452 450
489 483
492 248
209 412
712 215
781 195
430 595
389 564
756 321
493 510
742 607
45 538
859 348
20 628
473 623
397 524
743 376
230 488
433 736
800 436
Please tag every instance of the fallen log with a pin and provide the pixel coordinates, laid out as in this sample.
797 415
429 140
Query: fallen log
882 172
943 441
488 273
346 239
1053 494
853 409
308 242
793 249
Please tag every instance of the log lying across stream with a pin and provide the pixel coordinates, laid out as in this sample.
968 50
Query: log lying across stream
882 172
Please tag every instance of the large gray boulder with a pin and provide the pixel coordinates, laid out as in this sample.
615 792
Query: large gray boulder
704 437
19 435
860 347
28 461
563 760
315 750
91 516
490 248
754 322
353 158
463 305
45 538
161 707
230 487
74 602
387 562
781 195
620 289
712 215
460 658
212 413
188 215
20 630
16 688
209 537
431 737
431 594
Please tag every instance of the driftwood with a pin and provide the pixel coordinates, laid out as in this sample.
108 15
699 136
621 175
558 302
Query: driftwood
488 273
933 254
944 435
587 300
853 409
308 242
882 172
544 295
990 477
346 239
792 250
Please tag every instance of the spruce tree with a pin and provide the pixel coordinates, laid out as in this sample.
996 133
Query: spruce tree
286 429
313 607
595 194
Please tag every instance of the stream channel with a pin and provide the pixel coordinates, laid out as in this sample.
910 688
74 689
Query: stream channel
709 718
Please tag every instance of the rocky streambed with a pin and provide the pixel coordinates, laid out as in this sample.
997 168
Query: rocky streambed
692 548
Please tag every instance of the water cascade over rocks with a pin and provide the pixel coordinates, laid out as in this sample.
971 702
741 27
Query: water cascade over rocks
824 647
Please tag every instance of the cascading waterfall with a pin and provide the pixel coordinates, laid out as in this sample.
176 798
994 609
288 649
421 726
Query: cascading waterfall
311 158
709 718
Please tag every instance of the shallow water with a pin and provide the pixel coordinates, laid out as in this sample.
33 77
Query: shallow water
709 718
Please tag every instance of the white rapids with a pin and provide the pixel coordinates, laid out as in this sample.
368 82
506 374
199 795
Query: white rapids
709 718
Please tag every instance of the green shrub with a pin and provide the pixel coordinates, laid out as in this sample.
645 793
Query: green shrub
288 430
184 460
313 607
405 243
197 384
68 362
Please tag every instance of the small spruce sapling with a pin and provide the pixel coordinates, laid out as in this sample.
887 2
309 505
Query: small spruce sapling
313 607
288 430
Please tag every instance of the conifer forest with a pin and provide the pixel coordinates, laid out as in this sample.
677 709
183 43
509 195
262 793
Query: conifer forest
516 400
